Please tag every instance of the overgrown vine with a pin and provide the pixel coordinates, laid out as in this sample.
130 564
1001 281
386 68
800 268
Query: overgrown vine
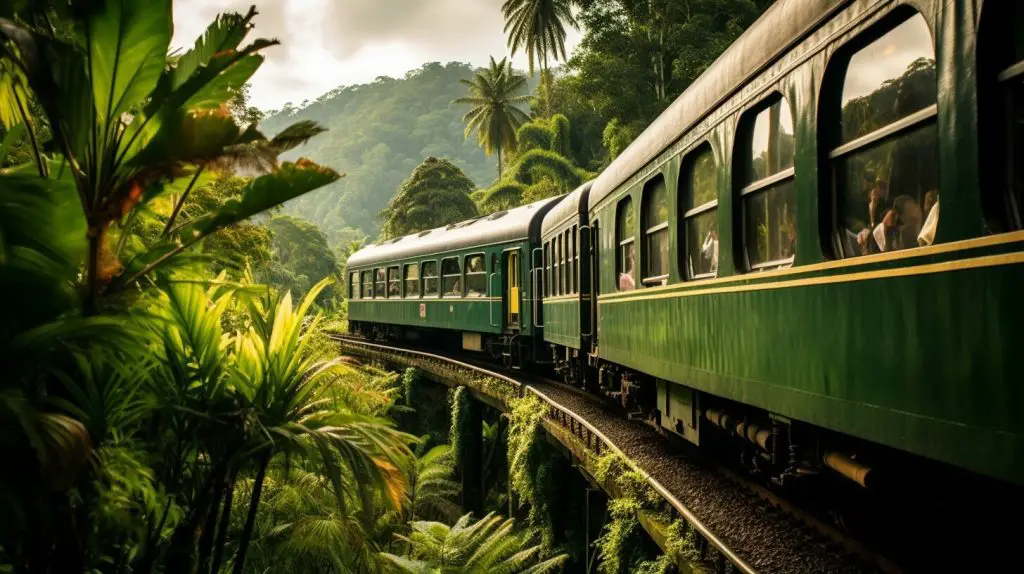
620 541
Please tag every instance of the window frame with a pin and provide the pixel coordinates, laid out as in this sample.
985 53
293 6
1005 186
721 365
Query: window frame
354 286
558 265
458 276
575 259
424 277
380 276
764 185
364 275
466 274
1014 176
398 279
687 165
836 72
647 231
405 281
546 268
622 241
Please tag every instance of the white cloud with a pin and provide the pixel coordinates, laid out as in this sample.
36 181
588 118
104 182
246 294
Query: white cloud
327 43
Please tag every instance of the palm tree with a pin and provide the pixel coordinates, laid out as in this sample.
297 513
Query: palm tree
538 27
495 116
487 545
285 391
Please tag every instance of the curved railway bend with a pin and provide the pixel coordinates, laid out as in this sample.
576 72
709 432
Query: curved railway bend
741 528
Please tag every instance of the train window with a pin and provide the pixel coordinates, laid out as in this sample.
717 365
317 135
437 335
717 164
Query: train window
367 285
430 279
476 276
699 214
380 284
655 233
625 256
560 262
884 165
1001 111
575 260
563 241
411 275
547 269
353 285
767 190
451 277
394 285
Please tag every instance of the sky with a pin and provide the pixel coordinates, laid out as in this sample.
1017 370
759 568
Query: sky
329 43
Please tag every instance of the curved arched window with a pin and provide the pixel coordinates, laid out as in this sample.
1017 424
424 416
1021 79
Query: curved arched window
885 159
625 252
1001 111
767 190
699 213
655 233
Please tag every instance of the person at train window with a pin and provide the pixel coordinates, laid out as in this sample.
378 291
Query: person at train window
626 281
476 277
709 250
931 222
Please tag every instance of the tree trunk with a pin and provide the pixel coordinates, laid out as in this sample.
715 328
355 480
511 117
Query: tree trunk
225 522
499 163
250 521
210 524
92 270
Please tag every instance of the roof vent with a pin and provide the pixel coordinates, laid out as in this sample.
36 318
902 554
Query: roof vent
422 233
462 224
497 215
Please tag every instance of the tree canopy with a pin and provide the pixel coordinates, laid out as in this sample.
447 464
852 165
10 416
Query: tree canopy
436 193
380 132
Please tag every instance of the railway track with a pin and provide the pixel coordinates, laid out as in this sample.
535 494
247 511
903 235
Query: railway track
748 528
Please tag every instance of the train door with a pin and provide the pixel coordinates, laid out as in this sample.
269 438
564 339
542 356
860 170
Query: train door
512 290
595 281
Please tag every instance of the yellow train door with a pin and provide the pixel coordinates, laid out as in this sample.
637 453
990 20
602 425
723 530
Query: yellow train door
512 286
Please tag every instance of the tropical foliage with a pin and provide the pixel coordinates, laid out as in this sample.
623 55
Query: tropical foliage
380 131
495 94
437 193
488 545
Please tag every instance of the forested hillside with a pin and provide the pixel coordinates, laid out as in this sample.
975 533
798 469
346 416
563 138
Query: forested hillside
378 133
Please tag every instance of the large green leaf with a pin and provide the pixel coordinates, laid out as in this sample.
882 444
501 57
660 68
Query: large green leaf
56 73
189 138
223 34
265 192
127 44
225 85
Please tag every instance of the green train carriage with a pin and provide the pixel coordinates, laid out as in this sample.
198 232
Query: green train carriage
566 285
771 251
466 285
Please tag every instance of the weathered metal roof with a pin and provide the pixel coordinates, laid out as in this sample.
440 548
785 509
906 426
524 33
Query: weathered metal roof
782 24
501 227
567 208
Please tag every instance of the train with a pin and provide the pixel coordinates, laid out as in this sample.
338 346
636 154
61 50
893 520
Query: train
768 259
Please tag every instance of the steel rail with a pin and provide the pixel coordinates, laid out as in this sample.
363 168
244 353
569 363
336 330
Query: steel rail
694 522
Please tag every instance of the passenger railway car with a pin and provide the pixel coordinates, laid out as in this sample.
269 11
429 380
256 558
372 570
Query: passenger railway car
770 249
767 260
469 280
566 286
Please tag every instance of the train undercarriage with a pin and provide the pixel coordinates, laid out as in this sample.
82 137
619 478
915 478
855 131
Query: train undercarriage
875 493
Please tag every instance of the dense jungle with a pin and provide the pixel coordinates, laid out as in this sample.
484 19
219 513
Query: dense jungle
171 257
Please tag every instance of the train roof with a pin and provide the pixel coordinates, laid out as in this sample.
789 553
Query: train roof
500 227
567 208
781 25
